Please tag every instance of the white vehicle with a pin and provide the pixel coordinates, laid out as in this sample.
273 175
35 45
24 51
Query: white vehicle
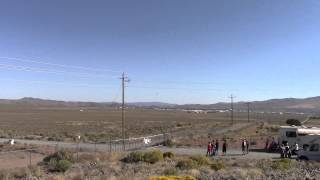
298 134
311 151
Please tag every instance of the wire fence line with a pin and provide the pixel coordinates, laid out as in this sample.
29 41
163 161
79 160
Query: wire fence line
116 145
112 145
32 156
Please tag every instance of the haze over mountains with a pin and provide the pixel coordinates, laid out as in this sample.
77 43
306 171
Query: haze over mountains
311 104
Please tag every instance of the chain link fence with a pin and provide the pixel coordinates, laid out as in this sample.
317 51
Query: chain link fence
28 157
115 145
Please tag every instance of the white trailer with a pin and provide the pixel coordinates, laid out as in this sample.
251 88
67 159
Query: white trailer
298 134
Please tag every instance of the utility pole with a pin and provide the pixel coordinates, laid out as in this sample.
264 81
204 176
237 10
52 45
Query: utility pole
248 104
124 79
232 97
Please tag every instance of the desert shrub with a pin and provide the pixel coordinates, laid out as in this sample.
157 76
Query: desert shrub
134 157
179 125
55 137
168 155
168 143
170 172
36 171
294 122
186 164
217 165
153 156
60 155
173 178
201 160
59 166
63 165
149 157
59 161
282 165
51 164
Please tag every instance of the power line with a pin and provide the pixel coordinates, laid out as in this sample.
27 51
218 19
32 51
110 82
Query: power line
181 82
49 71
54 82
59 65
221 88
164 88
242 84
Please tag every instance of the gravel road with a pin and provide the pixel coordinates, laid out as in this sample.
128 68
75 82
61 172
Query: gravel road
232 153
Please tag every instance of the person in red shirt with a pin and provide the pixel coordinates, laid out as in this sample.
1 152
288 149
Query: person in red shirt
209 148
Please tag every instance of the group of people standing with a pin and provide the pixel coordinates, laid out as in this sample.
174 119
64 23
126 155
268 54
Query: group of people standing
213 148
287 151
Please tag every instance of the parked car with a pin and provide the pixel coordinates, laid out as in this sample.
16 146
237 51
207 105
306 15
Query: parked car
310 152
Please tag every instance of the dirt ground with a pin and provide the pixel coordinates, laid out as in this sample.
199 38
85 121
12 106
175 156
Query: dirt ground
22 155
19 159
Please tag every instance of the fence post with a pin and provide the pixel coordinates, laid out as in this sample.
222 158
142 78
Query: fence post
78 151
110 145
30 158
57 147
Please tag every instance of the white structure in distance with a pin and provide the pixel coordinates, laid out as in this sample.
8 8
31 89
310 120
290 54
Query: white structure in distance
146 141
11 142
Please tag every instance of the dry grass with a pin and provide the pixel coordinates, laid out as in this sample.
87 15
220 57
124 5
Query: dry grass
20 173
99 124
110 166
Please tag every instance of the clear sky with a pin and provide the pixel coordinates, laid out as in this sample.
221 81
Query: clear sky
177 51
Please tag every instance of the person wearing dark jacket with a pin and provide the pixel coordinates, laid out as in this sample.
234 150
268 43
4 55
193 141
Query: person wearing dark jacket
224 147
217 147
243 145
248 143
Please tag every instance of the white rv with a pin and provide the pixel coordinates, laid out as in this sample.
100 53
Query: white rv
298 134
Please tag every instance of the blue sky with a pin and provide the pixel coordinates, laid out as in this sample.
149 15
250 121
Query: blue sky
177 51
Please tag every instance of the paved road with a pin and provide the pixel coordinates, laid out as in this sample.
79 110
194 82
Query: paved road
234 153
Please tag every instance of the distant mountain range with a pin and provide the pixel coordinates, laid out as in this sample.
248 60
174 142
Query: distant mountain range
311 104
